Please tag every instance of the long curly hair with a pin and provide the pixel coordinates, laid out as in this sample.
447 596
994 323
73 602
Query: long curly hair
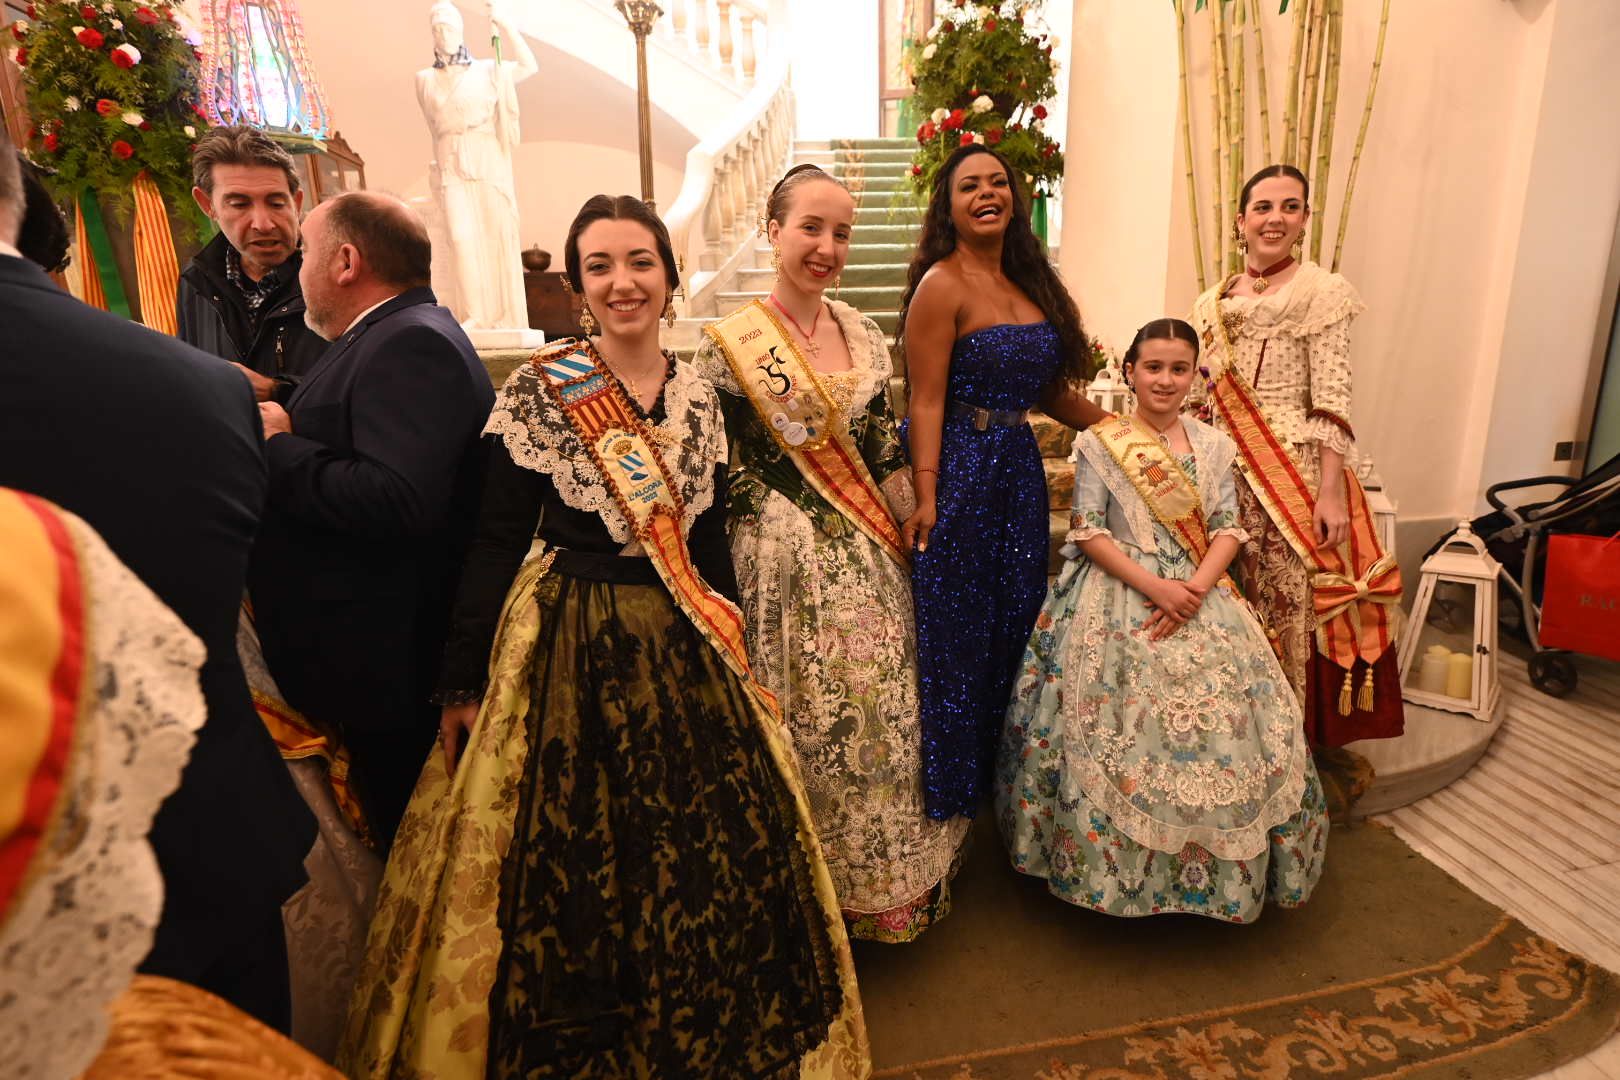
1023 260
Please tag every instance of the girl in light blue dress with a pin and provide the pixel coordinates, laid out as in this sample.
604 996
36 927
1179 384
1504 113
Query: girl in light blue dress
1153 758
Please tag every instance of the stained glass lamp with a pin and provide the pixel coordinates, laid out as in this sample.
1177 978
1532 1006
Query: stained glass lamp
256 70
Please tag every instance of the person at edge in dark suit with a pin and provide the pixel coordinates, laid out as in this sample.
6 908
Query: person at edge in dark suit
375 474
238 298
157 446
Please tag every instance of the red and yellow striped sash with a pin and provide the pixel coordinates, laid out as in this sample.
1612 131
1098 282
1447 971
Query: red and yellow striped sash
1356 585
43 667
622 448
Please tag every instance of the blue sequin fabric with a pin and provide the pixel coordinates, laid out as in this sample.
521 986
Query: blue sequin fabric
979 586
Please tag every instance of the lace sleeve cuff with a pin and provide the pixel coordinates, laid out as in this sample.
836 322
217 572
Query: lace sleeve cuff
1241 535
1329 429
1076 535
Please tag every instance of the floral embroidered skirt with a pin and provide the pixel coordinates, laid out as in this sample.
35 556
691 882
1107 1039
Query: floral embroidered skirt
1157 777
830 633
628 887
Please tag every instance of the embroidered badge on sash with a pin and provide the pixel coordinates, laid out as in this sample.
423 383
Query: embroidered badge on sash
799 413
620 444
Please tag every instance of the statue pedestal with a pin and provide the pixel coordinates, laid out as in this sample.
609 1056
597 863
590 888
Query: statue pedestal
513 338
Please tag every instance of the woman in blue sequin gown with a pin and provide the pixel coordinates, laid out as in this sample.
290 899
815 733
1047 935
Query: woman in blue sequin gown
989 333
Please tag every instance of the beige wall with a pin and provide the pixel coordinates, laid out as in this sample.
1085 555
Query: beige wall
1119 161
579 125
1483 216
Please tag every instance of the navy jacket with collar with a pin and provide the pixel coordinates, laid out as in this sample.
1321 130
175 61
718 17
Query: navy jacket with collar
159 447
373 496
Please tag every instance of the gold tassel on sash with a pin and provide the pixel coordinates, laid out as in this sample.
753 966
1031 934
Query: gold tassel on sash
1348 689
1364 698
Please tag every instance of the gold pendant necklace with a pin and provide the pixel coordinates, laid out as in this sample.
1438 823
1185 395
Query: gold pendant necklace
1260 276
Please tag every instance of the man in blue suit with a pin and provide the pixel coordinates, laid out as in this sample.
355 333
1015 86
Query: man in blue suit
375 475
157 446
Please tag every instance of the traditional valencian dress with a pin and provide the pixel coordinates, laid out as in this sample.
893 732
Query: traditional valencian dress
1279 384
1141 777
826 594
621 878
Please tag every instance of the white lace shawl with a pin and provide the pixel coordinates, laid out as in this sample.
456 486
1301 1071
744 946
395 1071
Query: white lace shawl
691 439
1313 300
87 913
868 354
1214 453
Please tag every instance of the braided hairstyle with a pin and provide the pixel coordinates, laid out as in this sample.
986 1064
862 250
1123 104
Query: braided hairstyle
1160 330
781 197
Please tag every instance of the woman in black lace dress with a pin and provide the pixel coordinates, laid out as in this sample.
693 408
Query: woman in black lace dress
617 877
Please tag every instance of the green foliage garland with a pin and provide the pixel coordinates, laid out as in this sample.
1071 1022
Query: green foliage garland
981 74
112 91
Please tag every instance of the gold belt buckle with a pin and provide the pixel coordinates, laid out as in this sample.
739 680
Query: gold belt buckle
981 418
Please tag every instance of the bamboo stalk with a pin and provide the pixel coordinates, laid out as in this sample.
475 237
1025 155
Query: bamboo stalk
1361 136
1239 119
1186 143
1290 139
1222 148
1330 108
1313 77
1260 77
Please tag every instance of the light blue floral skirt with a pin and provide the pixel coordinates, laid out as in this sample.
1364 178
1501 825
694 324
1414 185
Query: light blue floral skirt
1143 717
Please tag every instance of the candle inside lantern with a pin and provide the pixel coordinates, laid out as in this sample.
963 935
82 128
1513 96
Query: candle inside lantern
1434 671
1460 676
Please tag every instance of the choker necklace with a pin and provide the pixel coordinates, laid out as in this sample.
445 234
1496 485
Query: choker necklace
810 343
1260 276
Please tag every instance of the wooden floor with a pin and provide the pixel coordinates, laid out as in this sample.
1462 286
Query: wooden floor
1535 826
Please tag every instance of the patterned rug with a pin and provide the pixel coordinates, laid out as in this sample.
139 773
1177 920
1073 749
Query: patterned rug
1392 970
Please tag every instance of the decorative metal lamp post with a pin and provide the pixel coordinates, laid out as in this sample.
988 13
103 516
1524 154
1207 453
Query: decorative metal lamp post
1448 655
641 14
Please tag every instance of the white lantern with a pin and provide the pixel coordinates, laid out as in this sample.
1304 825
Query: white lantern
1108 390
1448 654
1378 501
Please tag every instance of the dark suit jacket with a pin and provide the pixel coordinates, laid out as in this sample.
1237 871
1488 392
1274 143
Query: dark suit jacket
372 500
158 447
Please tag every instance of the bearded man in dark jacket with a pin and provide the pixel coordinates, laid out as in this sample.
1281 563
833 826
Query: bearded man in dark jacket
239 297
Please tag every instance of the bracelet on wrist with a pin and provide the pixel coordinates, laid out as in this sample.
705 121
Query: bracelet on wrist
916 469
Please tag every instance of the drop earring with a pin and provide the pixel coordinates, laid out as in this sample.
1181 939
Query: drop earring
669 310
1241 240
587 321
776 260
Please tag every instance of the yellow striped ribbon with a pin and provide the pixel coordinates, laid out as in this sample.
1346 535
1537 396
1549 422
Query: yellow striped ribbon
93 294
157 270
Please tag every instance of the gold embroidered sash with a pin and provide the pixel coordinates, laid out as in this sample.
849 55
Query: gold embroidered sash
1157 476
802 418
1356 585
623 451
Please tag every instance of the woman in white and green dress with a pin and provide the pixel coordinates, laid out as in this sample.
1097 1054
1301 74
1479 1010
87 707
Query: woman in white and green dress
1153 758
827 603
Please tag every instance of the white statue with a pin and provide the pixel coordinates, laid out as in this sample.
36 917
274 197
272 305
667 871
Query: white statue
472 112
